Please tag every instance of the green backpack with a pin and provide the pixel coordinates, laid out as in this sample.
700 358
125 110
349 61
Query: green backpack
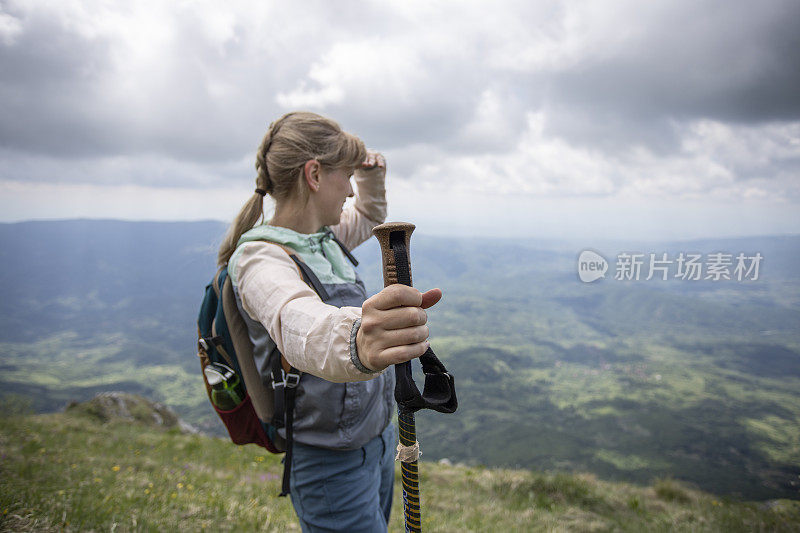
250 411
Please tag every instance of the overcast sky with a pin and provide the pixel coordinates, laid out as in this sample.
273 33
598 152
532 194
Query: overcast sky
580 119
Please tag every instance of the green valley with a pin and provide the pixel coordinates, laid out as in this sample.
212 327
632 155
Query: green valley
631 381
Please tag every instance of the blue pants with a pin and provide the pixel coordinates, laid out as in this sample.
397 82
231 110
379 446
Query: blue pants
344 490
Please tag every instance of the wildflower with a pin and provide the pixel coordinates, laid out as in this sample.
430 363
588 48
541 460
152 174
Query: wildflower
147 491
98 480
173 495
189 487
150 485
61 493
260 459
115 468
179 485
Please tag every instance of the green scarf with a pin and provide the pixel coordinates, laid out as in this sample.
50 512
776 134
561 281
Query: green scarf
317 250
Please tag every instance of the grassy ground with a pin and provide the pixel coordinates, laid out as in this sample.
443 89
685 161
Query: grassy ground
67 472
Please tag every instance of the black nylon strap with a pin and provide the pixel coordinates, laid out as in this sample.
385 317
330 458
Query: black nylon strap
279 409
290 393
310 278
439 392
285 392
344 248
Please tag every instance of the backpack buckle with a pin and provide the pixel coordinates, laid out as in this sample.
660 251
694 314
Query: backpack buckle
289 381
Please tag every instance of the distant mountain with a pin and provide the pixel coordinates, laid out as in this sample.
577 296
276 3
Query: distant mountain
101 276
632 380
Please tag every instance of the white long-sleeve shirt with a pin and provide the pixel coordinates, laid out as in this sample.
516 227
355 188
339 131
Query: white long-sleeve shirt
313 336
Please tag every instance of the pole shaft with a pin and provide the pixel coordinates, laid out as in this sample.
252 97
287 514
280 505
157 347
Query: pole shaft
410 474
405 420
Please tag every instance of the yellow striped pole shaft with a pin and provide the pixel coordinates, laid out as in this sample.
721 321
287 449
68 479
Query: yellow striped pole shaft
410 474
405 420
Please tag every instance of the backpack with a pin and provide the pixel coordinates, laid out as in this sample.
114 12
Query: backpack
223 339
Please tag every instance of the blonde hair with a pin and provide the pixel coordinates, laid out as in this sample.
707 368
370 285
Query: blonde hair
290 142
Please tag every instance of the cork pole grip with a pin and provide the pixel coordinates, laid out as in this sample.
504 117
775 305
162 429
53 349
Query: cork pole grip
405 419
383 232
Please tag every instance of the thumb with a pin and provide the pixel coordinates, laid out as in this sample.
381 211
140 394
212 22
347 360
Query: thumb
429 298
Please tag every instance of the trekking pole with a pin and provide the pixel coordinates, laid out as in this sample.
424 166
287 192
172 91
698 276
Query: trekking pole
439 392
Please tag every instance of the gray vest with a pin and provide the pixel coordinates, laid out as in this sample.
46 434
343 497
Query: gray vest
339 416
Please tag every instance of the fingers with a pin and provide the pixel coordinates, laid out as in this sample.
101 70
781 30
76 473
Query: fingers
399 318
373 160
393 325
396 295
430 298
402 337
399 306
401 354
404 296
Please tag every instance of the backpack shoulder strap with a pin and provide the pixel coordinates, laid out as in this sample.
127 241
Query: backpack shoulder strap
259 395
263 401
311 280
306 273
285 379
222 273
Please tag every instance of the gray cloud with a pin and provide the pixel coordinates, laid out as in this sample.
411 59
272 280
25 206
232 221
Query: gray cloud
729 61
73 91
46 83
545 97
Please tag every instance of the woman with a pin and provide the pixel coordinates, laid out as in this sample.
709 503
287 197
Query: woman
342 466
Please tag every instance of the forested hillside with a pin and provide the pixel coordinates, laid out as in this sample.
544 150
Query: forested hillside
630 380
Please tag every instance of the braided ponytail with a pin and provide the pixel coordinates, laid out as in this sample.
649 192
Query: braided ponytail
290 141
263 180
250 213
